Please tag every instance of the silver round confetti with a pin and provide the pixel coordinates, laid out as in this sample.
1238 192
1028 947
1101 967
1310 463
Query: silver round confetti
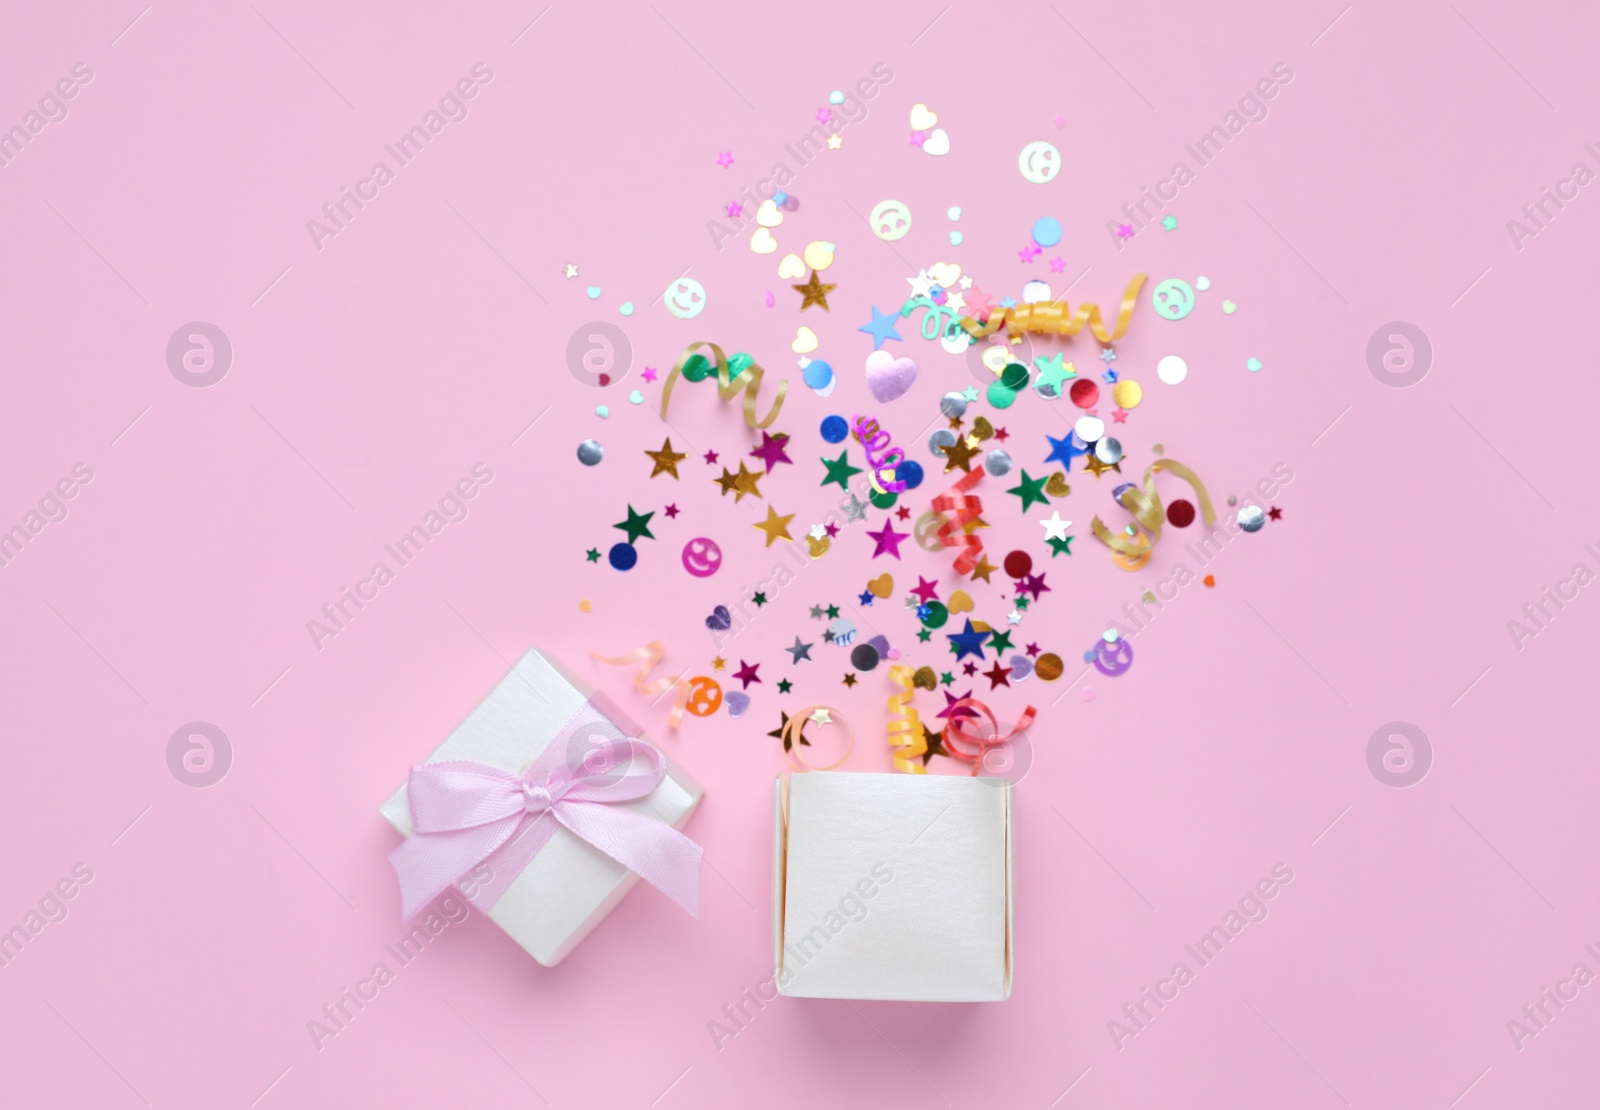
941 439
1046 389
1089 428
1251 518
1108 450
997 462
953 405
590 452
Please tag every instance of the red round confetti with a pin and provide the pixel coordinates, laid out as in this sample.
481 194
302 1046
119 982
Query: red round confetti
1019 564
1180 514
1084 393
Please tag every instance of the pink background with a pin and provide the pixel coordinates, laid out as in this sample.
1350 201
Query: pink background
371 374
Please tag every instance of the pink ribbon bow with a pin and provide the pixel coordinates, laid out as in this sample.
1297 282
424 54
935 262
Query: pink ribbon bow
474 818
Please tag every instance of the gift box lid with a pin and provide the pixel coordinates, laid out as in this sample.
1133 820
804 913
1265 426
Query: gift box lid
570 886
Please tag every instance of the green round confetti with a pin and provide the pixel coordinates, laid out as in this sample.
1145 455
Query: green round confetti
1001 397
1014 377
937 615
697 369
883 499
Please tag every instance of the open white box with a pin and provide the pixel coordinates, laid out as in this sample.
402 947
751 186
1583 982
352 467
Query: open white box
571 885
892 886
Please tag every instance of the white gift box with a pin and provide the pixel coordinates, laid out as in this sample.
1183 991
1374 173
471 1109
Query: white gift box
570 885
892 886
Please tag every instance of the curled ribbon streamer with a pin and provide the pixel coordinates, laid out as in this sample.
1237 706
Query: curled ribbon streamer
795 727
647 657
874 439
748 379
944 321
962 729
1053 318
966 508
905 728
1146 508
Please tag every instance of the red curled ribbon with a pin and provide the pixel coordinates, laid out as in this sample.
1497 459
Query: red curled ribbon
962 729
966 509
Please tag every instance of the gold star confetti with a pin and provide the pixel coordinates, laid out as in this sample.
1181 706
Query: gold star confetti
666 459
719 664
746 483
814 292
776 527
1096 467
960 453
983 569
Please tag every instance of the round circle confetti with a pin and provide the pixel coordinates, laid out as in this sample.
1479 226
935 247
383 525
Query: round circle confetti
1019 564
1047 231
1049 666
883 499
934 614
1251 518
590 452
941 439
1014 376
1172 369
999 396
623 556
909 472
864 657
998 462
1108 450
1084 393
1127 394
1039 162
953 405
835 428
890 220
1089 428
1180 514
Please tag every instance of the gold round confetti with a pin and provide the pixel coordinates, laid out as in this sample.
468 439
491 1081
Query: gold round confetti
1127 394
1048 666
584 606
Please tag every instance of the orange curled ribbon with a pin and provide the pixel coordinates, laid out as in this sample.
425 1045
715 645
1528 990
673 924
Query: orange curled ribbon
1145 506
747 380
964 741
1053 319
905 728
647 657
953 533
793 733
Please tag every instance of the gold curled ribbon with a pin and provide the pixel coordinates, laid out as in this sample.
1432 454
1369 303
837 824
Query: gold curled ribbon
647 657
953 533
1146 508
960 729
794 729
1054 319
747 380
905 728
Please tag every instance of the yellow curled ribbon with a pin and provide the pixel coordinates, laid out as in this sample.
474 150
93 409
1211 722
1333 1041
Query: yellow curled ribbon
906 739
1146 508
748 380
647 657
1054 319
